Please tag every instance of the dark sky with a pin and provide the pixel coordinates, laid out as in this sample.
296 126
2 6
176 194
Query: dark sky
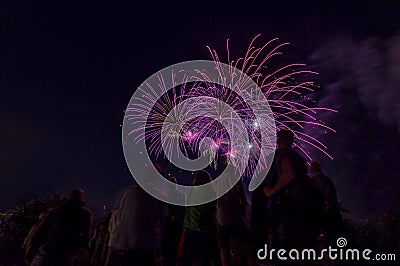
68 70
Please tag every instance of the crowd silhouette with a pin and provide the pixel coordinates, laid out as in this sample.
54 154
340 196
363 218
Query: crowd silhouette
291 209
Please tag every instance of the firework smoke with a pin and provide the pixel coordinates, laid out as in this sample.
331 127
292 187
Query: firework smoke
361 80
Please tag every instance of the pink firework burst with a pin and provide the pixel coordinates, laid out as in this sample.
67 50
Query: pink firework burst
187 118
285 96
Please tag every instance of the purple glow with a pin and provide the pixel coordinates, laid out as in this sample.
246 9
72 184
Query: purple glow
287 98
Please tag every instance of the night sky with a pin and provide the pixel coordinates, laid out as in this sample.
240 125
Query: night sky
69 69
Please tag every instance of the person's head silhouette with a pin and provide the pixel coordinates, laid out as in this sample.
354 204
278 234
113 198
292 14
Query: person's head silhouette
202 177
76 195
285 138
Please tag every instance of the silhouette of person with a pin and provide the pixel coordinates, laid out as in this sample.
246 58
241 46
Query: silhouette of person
112 256
63 232
324 184
333 217
261 216
99 244
172 230
296 207
137 227
199 227
231 228
27 245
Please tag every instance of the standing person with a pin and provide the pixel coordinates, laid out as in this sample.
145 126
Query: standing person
27 245
260 217
295 206
333 217
231 228
99 244
198 228
259 221
136 233
172 229
63 233
112 256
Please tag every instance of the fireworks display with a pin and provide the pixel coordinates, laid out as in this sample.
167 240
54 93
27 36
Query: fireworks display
199 117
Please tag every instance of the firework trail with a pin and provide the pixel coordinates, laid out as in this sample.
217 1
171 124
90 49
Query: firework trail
186 119
286 97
